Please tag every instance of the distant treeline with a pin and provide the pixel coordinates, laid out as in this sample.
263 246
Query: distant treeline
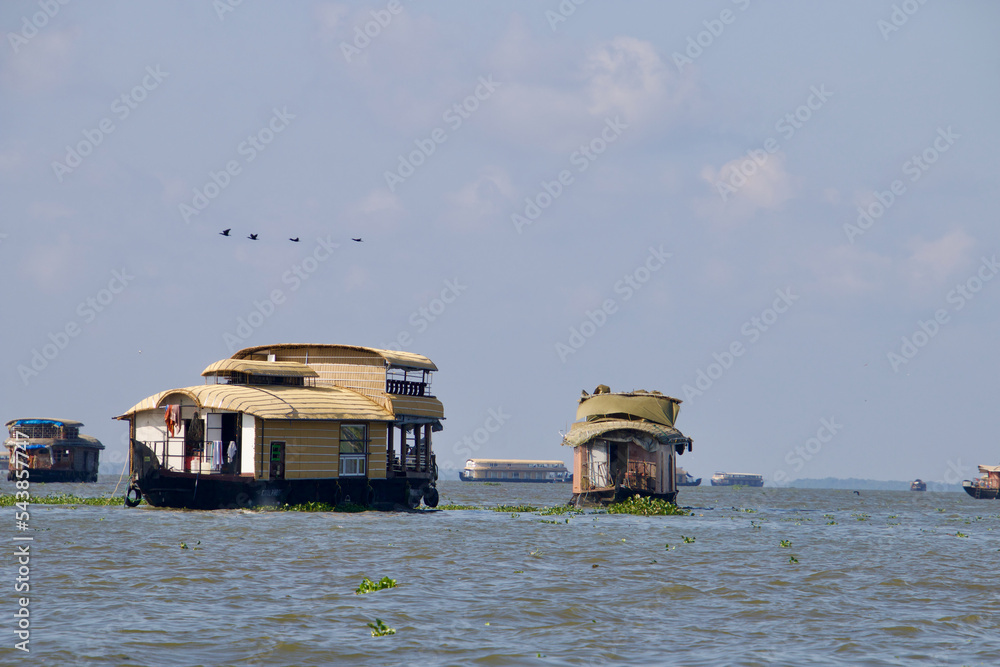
869 484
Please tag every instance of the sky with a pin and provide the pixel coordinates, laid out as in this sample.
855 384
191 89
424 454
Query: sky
778 212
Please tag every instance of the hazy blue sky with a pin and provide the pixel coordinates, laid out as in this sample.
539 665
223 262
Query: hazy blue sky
783 213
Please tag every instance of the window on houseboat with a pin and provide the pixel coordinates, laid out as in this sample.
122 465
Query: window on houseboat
353 448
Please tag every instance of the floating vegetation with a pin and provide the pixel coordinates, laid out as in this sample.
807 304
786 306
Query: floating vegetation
744 509
959 534
380 629
369 586
459 507
793 559
185 546
861 516
316 506
64 499
687 540
515 508
492 484
785 543
645 506
560 509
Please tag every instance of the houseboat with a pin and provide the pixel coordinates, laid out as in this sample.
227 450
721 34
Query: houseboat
514 470
684 478
52 450
290 424
737 479
625 444
918 485
986 485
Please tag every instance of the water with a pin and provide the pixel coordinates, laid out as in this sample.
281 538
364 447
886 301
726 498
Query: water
899 578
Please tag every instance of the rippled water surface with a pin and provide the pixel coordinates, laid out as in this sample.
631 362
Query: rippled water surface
894 578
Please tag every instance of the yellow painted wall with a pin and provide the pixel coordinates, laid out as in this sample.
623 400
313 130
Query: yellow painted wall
312 448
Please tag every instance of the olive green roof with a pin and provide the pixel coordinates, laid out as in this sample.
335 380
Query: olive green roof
650 406
581 433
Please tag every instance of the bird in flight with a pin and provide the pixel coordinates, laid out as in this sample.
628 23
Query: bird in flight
252 237
358 240
296 239
225 232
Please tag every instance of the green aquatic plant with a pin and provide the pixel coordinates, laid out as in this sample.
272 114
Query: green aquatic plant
645 506
369 586
960 534
63 499
793 559
785 543
560 509
380 629
861 516
492 484
515 508
745 509
458 507
317 506
687 540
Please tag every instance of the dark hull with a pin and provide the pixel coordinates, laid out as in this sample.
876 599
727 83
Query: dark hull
608 496
44 475
981 492
211 492
755 484
694 482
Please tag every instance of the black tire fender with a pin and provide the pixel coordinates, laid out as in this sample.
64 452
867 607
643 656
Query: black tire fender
133 496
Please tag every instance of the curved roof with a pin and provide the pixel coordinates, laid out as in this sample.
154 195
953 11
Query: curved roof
274 402
583 432
654 407
265 368
395 358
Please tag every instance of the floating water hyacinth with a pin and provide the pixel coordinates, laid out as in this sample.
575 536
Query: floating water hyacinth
369 586
380 629
645 506
785 543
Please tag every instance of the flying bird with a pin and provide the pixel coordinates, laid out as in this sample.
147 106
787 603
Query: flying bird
252 237
296 239
225 232
358 240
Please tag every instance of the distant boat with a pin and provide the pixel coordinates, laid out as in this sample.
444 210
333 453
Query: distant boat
51 450
737 479
918 485
986 486
514 470
684 478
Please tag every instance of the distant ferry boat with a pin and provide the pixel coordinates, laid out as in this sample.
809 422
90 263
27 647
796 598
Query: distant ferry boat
737 479
918 485
514 470
52 450
986 486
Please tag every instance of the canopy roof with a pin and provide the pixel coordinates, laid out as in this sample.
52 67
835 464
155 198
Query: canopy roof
651 406
396 358
272 402
265 368
55 422
623 430
989 469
